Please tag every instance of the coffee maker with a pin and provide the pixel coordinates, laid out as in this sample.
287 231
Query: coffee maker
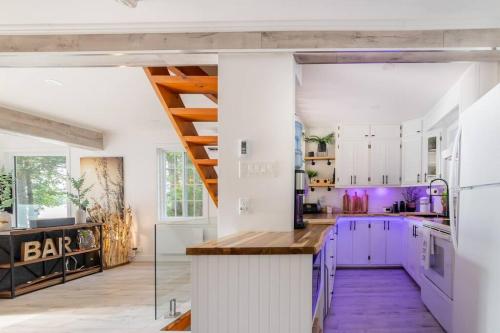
300 185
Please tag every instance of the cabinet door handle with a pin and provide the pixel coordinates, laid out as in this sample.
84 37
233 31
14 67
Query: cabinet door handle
384 225
350 225
388 225
418 178
351 180
354 225
383 179
425 177
355 182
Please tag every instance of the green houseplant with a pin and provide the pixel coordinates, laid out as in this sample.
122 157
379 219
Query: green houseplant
312 174
6 199
322 142
80 199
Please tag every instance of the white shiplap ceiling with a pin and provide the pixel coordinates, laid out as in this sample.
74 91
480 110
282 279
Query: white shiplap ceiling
372 93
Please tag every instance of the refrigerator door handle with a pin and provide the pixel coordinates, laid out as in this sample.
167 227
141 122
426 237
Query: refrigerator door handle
453 197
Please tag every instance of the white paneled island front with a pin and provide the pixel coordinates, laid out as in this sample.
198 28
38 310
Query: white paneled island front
263 281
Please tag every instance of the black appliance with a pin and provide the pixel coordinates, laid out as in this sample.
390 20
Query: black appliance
311 208
298 214
402 206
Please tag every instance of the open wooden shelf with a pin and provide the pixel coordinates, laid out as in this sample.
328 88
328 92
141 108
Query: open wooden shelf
74 253
322 185
320 158
23 284
73 275
39 260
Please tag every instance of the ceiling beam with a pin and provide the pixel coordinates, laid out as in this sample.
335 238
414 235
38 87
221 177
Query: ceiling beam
394 57
27 124
265 40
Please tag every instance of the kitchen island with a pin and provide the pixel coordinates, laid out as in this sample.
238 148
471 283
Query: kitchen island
262 281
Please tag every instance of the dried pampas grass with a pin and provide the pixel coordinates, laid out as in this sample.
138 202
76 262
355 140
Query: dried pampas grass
117 234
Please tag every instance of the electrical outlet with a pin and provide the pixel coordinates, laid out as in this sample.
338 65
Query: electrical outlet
244 206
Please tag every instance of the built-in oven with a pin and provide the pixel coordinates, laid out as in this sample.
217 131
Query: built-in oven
438 258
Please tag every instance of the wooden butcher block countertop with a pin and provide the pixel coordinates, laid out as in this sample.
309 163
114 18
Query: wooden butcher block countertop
302 241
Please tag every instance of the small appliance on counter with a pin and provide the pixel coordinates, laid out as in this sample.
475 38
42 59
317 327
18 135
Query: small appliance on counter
311 208
300 185
425 206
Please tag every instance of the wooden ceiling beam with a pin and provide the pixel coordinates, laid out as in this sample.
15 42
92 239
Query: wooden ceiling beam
259 40
23 123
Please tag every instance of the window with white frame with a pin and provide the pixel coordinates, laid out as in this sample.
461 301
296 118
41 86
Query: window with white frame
181 191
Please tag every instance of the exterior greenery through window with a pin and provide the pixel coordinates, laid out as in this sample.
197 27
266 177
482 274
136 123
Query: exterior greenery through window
181 189
41 185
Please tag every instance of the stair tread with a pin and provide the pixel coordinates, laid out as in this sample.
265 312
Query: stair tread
206 140
207 162
188 84
195 114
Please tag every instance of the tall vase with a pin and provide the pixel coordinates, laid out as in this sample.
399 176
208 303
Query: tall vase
81 216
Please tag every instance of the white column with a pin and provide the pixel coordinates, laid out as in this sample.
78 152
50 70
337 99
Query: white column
257 104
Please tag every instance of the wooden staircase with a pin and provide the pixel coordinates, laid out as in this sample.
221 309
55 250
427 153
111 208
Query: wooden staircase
172 82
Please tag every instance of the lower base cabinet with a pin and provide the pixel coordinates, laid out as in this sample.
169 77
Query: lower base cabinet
414 248
367 242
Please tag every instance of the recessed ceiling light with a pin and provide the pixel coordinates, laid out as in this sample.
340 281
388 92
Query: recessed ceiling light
129 3
53 82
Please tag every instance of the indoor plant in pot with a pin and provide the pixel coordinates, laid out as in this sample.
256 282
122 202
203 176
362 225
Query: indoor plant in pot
322 142
312 174
410 194
6 199
80 199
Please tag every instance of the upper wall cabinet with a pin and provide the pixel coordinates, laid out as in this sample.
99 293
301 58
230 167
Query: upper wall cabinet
412 152
421 154
368 155
431 158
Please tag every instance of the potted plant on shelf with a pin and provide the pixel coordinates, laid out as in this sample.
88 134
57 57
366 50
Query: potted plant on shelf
80 199
322 142
6 199
312 174
410 194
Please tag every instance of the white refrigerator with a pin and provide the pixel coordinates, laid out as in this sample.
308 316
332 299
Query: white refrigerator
475 217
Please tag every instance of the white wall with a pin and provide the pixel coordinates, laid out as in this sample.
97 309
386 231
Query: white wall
139 151
477 80
256 103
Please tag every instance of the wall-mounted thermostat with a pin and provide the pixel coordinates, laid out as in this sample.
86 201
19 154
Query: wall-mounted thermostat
243 148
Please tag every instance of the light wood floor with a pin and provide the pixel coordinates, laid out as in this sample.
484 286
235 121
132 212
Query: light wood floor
118 300
378 301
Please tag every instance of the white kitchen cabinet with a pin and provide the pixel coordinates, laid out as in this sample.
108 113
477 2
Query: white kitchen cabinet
385 162
361 242
431 158
368 155
344 242
355 132
414 248
331 264
378 235
385 132
411 160
395 244
352 162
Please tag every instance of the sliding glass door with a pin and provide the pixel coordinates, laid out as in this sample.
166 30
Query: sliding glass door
41 186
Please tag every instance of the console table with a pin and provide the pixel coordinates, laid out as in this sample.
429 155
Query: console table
18 277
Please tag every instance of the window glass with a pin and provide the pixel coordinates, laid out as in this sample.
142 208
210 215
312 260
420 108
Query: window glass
41 186
181 189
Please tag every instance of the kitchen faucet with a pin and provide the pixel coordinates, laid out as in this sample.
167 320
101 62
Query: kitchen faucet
447 211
